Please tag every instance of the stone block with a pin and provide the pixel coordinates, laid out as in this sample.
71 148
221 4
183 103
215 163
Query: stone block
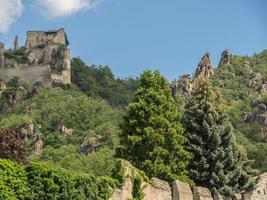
181 191
123 193
202 193
157 190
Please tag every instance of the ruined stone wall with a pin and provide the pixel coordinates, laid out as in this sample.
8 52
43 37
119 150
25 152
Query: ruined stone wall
157 189
38 38
30 74
35 38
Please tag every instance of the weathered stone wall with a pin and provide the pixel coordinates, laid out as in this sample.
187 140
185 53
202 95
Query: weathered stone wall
29 74
37 38
47 59
157 189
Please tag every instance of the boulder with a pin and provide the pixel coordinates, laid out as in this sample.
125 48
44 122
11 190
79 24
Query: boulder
158 190
202 193
181 191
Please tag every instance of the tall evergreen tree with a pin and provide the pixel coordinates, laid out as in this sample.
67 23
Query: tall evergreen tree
217 162
151 134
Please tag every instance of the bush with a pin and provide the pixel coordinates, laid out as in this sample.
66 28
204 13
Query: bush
11 147
13 181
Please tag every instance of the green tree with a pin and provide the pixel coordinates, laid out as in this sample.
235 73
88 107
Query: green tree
151 135
217 162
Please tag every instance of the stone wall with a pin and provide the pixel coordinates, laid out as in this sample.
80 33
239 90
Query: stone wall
39 38
157 189
46 58
30 74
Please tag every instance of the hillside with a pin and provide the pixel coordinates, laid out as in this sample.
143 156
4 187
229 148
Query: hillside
242 80
73 130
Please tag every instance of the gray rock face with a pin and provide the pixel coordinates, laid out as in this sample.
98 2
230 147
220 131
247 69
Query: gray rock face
202 193
225 58
158 190
181 191
204 67
182 86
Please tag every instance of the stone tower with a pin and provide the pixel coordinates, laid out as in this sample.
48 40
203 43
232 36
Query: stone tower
2 58
16 43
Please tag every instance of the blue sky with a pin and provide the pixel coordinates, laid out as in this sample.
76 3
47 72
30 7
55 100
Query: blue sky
133 35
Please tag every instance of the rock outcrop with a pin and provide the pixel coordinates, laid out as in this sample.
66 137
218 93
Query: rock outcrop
204 67
63 130
225 58
182 86
2 87
38 145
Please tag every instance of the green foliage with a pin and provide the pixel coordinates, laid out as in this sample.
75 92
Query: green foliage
18 55
243 98
12 85
217 162
99 81
151 135
118 172
44 182
87 117
137 192
68 157
11 146
13 181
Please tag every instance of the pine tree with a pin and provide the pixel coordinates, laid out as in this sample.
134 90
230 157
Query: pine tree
151 134
217 162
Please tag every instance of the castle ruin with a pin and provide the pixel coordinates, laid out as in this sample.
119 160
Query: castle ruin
45 58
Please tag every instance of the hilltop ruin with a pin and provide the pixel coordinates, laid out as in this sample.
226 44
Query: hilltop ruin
45 58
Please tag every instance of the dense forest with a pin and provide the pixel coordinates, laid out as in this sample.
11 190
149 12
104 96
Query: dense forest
56 143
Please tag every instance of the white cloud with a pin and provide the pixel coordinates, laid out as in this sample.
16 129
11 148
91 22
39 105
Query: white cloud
10 11
62 8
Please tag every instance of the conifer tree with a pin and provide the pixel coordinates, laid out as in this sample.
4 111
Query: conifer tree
151 133
217 162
